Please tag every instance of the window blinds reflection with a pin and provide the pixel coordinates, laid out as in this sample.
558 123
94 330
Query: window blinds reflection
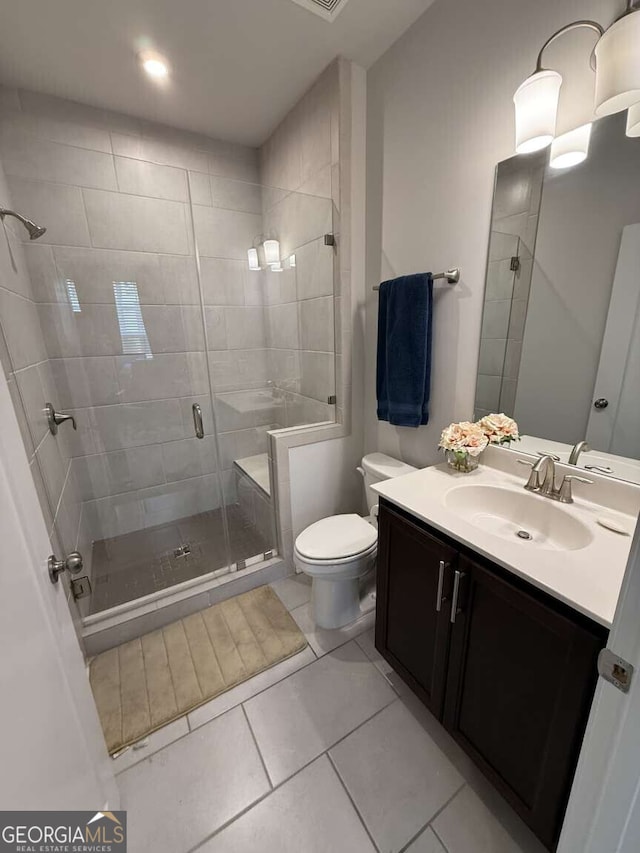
132 329
72 293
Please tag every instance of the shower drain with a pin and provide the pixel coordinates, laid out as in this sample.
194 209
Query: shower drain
524 534
182 551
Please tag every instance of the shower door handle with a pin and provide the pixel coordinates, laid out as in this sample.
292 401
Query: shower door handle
197 421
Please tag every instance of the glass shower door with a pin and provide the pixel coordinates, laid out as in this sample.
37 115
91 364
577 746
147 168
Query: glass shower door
119 304
147 307
270 335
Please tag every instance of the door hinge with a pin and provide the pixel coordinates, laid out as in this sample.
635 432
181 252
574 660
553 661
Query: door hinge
515 264
329 240
614 669
332 400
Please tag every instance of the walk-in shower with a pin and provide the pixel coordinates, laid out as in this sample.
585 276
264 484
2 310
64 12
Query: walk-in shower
147 312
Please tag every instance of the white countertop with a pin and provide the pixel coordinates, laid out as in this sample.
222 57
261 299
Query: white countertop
587 579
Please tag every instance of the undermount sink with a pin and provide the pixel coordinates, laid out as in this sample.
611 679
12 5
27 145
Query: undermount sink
532 520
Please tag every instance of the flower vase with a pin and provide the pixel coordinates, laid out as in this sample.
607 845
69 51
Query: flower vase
462 461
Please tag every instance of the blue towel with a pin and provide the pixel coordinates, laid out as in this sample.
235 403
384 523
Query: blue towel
404 350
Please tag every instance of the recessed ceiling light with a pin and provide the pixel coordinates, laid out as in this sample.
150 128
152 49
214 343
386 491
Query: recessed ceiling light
153 63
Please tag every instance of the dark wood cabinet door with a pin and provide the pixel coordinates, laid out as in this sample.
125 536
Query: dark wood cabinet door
521 678
413 605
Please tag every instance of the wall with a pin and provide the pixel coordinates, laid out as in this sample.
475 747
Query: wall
28 370
440 117
115 194
319 148
582 216
302 156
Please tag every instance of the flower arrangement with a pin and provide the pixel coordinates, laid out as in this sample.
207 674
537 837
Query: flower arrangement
500 429
464 442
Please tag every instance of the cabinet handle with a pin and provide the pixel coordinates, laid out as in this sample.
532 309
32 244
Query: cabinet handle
440 599
456 589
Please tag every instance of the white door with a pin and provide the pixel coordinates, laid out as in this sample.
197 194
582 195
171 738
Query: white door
616 428
53 752
604 809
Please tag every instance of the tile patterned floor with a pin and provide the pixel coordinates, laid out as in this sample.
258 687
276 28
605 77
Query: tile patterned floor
127 567
327 752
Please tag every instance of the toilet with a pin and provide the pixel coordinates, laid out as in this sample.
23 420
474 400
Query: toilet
339 551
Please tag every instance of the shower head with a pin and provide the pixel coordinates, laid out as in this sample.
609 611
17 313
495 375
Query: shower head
34 230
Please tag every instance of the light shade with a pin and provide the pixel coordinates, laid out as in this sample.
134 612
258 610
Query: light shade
633 120
618 66
536 110
254 261
271 252
570 148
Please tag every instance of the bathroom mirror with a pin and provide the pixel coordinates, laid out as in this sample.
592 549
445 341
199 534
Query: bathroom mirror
560 340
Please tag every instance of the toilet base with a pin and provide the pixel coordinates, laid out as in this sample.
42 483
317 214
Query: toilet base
335 603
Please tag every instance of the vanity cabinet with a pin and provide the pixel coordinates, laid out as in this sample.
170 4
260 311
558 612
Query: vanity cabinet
511 675
413 628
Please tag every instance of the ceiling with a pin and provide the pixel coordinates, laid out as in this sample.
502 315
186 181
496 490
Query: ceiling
237 65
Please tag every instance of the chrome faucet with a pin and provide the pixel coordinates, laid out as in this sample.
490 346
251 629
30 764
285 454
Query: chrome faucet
545 483
580 447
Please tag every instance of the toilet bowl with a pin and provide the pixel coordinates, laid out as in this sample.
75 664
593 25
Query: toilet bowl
338 552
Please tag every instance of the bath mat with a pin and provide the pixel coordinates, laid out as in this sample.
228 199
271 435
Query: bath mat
155 679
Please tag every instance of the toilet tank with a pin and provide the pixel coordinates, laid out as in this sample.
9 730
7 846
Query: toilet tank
377 467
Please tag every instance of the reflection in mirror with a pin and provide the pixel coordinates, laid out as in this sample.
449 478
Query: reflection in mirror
560 341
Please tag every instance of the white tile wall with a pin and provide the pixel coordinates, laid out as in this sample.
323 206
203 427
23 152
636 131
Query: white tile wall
148 179
28 156
223 281
225 233
119 221
58 206
114 194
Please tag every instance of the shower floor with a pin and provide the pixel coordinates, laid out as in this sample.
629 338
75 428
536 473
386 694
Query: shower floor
136 564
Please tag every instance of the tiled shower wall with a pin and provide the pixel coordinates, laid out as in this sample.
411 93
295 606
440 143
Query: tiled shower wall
114 195
311 151
28 370
302 155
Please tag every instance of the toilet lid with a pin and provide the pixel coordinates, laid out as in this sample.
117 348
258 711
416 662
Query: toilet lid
336 537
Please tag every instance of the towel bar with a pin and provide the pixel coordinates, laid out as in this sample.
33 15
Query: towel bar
452 276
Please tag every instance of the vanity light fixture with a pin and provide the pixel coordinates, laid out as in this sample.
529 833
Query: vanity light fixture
154 64
254 260
536 103
292 261
276 267
570 148
616 62
271 252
